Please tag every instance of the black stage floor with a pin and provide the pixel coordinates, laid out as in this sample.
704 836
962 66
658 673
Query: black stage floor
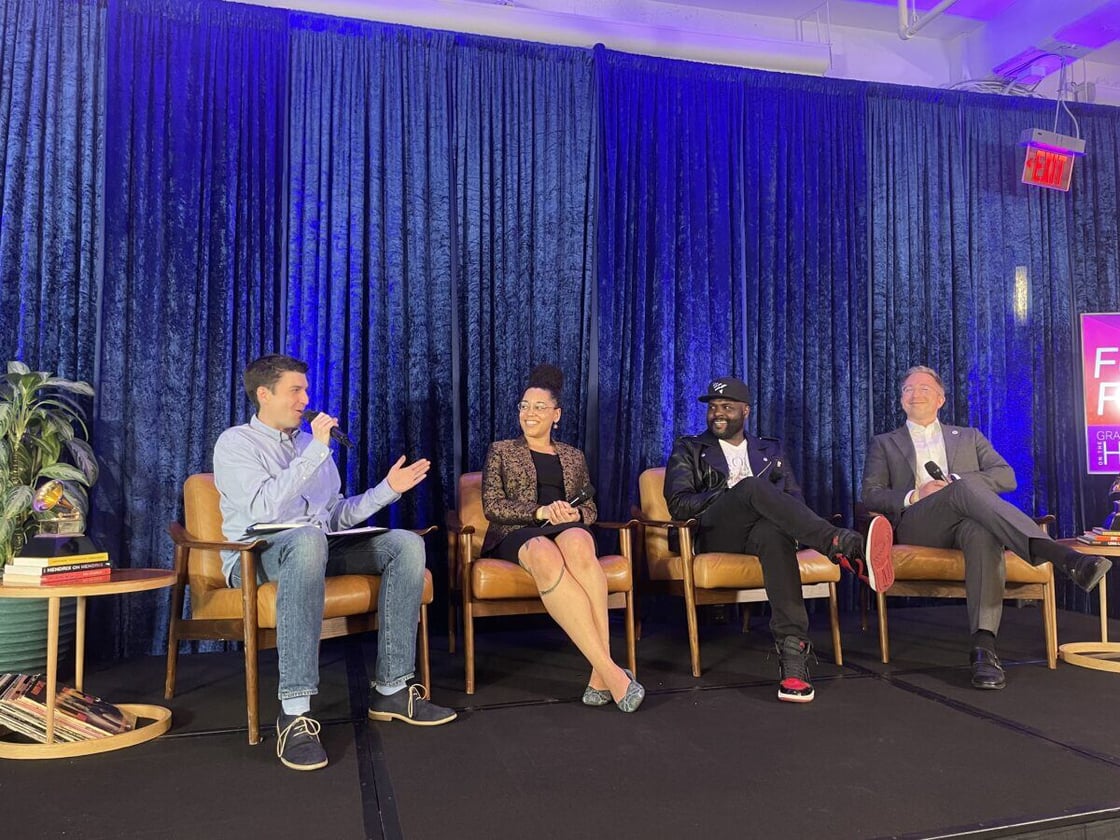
903 750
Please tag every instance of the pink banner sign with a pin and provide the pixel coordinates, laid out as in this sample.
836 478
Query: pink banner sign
1100 370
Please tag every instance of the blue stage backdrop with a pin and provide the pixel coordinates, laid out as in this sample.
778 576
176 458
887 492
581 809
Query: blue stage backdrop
423 216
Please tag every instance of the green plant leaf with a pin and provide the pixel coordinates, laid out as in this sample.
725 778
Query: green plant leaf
18 367
64 471
17 504
73 386
81 453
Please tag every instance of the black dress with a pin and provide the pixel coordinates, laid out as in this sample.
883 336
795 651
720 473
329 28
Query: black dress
550 488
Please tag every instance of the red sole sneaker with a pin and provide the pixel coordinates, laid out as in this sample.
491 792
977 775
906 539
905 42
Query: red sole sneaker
877 550
795 691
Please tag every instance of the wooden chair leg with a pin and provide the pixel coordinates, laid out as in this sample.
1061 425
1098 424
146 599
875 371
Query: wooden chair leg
252 704
693 630
631 646
468 645
425 659
884 641
834 619
172 657
1050 624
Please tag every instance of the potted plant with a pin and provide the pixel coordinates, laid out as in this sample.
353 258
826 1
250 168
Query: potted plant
43 436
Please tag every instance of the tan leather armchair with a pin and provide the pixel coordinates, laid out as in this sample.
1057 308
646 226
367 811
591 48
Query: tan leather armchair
714 577
925 572
489 586
248 614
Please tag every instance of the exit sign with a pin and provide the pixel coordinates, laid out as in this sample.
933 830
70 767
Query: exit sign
1050 157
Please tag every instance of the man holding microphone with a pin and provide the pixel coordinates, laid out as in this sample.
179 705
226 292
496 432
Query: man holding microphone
270 471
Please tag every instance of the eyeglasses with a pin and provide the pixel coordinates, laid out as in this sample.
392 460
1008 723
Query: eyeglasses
924 390
538 407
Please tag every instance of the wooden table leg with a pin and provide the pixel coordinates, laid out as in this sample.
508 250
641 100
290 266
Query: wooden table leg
53 605
80 644
1103 587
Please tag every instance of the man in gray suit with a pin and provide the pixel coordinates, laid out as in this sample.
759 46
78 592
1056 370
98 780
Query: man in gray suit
939 485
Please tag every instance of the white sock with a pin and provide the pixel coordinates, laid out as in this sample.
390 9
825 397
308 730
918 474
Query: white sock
391 688
295 706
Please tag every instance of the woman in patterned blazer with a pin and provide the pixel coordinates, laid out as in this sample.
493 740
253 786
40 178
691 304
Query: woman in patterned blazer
526 485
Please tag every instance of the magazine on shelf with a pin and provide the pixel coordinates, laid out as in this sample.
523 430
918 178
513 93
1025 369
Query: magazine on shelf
273 527
78 716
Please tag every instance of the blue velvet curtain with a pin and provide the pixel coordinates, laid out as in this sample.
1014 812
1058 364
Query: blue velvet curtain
525 156
52 155
423 216
731 231
370 245
194 235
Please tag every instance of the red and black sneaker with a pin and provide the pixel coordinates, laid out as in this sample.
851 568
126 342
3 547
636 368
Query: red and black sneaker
793 660
868 559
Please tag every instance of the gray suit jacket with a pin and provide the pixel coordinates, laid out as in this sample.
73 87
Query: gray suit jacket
888 475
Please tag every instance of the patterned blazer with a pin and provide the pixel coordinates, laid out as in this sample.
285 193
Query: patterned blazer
509 487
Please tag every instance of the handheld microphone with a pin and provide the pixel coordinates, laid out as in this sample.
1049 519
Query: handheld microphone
336 433
583 496
935 472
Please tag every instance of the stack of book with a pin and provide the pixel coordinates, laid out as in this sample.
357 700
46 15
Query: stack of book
1100 536
67 569
77 716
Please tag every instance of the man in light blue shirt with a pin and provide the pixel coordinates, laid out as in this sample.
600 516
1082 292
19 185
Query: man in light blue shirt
269 471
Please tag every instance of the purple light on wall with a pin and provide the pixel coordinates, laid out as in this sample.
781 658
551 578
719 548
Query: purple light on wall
973 9
1094 30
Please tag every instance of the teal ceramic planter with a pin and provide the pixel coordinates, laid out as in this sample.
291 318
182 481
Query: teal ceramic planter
23 636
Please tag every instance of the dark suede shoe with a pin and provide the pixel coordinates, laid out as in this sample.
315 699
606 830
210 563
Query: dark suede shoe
1087 570
987 671
410 705
297 742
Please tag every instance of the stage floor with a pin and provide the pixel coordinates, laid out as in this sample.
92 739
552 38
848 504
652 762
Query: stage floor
900 750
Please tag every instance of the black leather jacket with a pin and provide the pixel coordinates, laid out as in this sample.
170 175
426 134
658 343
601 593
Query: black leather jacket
697 471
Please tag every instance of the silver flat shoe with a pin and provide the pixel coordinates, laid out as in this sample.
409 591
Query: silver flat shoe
596 696
635 694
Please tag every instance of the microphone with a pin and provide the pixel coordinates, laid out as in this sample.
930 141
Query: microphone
336 433
584 495
935 472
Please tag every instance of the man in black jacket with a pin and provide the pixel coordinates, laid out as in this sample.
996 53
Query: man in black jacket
747 501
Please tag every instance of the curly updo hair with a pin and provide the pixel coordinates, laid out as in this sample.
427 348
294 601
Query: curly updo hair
549 378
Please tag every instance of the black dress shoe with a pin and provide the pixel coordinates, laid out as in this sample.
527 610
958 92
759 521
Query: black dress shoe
987 672
1087 570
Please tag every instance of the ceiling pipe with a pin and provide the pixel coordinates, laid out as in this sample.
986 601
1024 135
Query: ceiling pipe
907 29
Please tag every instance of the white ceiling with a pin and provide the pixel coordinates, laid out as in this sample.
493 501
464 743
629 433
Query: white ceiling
845 38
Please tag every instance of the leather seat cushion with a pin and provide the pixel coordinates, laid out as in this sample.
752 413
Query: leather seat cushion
918 562
493 579
715 570
345 595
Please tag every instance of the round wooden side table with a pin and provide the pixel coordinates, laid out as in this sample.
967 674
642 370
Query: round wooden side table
151 721
1100 656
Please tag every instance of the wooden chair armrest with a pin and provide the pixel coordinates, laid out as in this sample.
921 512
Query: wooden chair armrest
460 528
181 536
615 526
425 531
669 523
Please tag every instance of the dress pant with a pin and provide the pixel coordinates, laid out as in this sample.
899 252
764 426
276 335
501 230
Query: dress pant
755 517
968 516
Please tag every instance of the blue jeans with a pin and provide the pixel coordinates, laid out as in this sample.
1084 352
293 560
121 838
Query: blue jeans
300 559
